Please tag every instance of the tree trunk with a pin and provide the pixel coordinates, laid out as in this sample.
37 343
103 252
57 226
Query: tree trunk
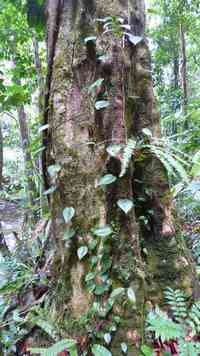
1 156
184 73
132 257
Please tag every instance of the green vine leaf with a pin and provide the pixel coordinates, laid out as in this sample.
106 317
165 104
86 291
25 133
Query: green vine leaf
99 350
124 347
89 39
53 169
116 293
125 204
134 39
131 295
68 234
103 231
50 190
101 104
82 252
97 83
107 179
114 149
59 346
107 337
68 214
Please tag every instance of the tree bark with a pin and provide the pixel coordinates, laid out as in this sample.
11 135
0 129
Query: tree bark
145 260
1 156
184 73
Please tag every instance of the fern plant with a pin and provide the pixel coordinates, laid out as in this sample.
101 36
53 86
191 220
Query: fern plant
168 155
183 326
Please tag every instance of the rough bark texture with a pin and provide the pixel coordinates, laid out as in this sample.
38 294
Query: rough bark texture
1 156
183 72
146 260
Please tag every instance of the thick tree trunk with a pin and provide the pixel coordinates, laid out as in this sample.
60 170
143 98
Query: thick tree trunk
1 156
145 260
184 83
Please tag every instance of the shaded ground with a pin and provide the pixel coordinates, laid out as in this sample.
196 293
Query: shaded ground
11 218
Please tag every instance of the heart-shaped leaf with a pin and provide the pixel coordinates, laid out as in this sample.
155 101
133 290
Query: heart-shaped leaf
103 231
125 204
147 132
131 295
68 214
68 234
107 337
107 179
116 292
134 39
99 350
53 169
89 39
49 191
101 104
82 252
114 149
124 347
97 83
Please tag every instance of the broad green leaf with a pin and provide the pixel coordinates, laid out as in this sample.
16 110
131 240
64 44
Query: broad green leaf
99 350
124 347
116 292
125 204
89 39
131 295
103 231
134 39
101 104
50 190
146 351
97 83
90 276
68 234
107 179
43 128
68 214
107 337
114 149
59 346
82 252
53 169
147 132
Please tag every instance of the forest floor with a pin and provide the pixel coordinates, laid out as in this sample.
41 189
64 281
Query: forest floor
11 218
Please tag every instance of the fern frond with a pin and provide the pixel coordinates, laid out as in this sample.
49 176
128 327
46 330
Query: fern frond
188 348
168 160
194 318
162 326
127 154
176 299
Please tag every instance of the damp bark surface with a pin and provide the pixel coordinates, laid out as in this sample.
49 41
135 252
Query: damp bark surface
77 138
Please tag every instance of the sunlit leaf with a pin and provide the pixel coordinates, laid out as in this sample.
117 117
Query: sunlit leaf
125 204
131 295
82 252
101 104
103 231
99 350
107 179
68 214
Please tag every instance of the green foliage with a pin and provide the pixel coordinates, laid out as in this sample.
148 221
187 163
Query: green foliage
163 326
128 152
177 302
69 345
